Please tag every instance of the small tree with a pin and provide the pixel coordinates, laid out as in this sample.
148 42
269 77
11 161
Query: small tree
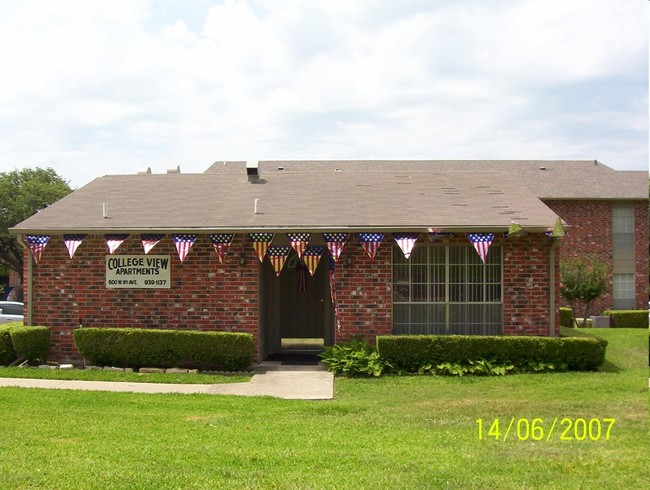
583 282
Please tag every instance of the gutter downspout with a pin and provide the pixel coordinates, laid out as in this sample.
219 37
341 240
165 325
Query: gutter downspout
556 243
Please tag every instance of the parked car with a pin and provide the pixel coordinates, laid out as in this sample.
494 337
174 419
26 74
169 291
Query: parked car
11 311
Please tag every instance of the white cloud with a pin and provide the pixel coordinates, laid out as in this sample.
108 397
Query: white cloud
94 87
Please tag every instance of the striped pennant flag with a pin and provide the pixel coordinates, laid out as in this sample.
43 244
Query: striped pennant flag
370 242
72 243
406 242
481 242
113 242
299 242
312 257
37 244
261 242
183 244
335 243
150 241
278 256
221 243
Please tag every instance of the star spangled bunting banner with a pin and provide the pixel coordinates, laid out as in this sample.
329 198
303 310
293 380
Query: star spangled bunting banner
183 244
278 256
406 242
150 241
37 244
335 304
221 243
335 243
481 242
312 257
299 242
261 242
370 242
114 241
72 243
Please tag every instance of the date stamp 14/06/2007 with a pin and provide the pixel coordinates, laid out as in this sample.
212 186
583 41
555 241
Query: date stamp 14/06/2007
538 429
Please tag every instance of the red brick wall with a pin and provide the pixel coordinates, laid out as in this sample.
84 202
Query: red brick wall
527 285
205 294
590 234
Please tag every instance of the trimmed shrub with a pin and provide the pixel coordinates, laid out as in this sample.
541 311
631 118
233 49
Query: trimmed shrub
628 318
7 351
31 342
566 317
138 347
410 353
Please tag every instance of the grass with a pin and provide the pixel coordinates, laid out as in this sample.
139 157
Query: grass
392 432
87 375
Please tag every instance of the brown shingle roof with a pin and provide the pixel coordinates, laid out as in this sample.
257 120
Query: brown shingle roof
296 200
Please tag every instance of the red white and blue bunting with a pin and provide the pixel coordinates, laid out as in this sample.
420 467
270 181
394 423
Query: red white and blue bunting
299 242
113 242
150 241
72 243
183 245
278 256
481 242
37 244
406 242
335 243
370 242
312 257
221 243
261 242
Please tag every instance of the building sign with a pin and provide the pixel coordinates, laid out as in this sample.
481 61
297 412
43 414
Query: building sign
138 272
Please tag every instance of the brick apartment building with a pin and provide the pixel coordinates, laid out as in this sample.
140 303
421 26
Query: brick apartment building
443 287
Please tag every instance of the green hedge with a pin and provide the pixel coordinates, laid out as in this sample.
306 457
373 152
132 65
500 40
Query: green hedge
628 318
31 342
137 347
411 352
7 351
566 317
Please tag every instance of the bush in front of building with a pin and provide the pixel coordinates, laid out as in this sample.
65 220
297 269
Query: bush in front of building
138 347
628 318
566 317
414 353
355 357
7 351
32 343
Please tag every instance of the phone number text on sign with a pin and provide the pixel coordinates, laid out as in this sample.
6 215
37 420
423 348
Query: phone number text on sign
538 429
138 272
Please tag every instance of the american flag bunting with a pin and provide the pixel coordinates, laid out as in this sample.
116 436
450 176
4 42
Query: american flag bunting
221 243
481 242
406 242
37 244
72 243
150 241
312 257
261 242
278 256
370 242
114 241
183 244
299 242
335 243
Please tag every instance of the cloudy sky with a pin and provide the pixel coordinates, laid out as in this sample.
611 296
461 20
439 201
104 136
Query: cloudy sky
105 87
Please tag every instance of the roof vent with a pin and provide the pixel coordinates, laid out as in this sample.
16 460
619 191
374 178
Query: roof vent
542 168
253 170
144 171
174 170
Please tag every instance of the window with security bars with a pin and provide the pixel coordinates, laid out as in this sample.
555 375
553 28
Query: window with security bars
446 289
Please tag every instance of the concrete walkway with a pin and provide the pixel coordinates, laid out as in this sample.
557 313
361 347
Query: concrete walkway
271 379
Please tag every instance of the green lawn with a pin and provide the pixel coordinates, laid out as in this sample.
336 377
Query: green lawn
393 432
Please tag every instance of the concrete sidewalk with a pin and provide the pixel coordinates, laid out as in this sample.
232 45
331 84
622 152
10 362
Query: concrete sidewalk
271 379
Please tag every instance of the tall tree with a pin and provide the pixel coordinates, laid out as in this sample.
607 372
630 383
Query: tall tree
22 194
